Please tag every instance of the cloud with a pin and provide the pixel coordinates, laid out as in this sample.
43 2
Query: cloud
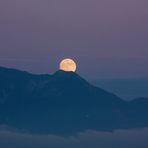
136 138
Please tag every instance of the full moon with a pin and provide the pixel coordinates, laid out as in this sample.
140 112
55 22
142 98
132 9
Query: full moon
68 65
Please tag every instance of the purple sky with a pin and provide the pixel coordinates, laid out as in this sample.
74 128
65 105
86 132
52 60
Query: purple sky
108 38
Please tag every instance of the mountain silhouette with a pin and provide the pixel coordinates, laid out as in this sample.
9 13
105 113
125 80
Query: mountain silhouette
64 103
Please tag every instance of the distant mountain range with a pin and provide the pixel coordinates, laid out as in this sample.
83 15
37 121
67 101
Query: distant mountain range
64 103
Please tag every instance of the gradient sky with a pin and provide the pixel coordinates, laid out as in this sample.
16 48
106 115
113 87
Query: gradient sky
107 38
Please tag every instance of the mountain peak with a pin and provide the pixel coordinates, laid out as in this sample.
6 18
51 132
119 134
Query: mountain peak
38 103
66 75
64 72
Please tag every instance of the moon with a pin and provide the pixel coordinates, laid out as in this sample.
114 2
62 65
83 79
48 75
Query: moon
68 65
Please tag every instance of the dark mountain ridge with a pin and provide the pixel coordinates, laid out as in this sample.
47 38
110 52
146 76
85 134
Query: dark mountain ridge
64 103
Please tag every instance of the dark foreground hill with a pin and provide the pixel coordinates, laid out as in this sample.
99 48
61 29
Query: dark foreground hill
64 103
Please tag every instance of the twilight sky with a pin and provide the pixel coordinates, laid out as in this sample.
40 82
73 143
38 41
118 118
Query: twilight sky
107 38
